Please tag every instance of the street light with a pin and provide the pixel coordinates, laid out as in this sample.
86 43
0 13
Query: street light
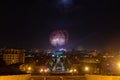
29 68
75 70
71 70
118 65
41 70
45 70
86 68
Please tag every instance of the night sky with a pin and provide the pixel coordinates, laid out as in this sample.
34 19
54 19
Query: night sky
91 24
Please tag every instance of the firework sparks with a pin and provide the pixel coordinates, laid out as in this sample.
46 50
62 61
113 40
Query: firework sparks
58 38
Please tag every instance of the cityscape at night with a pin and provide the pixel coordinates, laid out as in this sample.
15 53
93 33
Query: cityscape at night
60 40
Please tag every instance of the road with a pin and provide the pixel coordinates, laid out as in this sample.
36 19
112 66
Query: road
37 77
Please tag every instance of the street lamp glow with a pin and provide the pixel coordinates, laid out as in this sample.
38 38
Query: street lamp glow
45 70
75 70
41 70
86 68
71 70
119 65
29 68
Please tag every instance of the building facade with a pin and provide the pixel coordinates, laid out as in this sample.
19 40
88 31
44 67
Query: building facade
12 56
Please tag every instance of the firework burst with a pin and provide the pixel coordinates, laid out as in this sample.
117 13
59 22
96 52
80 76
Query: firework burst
58 38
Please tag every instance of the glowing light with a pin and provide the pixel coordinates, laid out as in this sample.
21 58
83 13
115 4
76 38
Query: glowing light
41 70
53 55
58 38
45 70
119 65
75 70
86 68
62 49
29 68
71 70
